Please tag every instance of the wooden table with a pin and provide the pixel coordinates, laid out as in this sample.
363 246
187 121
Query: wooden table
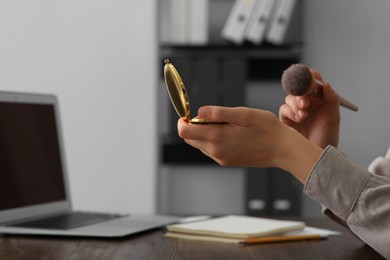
153 245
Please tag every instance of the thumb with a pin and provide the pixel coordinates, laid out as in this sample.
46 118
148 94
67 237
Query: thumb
234 115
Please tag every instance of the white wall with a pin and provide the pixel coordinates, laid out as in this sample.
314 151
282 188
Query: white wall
349 42
99 57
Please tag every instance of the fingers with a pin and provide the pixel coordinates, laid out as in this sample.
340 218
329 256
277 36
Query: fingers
297 108
298 102
190 131
206 138
238 115
287 115
294 109
204 132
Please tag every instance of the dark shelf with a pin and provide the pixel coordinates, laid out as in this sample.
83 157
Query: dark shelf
175 151
269 68
223 50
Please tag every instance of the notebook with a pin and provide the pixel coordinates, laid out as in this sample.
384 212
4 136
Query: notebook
246 230
233 226
34 188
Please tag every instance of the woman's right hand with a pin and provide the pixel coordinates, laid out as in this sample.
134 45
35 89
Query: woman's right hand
316 118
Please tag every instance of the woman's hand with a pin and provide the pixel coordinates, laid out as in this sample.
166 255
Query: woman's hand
252 138
249 138
316 118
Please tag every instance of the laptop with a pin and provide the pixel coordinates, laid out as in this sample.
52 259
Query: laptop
34 188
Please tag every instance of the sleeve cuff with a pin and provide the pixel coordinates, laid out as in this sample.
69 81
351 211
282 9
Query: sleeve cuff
336 182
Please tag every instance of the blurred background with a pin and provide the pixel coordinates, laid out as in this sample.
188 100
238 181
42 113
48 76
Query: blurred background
104 60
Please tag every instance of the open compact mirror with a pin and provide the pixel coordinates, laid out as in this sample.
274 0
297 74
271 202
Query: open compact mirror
178 95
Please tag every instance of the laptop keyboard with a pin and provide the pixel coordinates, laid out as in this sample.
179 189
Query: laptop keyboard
68 221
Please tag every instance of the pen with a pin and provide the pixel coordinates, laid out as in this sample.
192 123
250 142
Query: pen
258 240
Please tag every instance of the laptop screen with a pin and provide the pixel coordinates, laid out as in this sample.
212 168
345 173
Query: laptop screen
31 172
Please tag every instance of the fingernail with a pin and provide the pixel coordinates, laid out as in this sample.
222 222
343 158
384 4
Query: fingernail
302 102
203 112
300 113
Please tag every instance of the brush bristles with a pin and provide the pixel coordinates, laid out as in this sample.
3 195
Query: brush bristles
297 79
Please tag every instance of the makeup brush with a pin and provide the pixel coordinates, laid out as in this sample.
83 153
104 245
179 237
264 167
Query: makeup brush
298 80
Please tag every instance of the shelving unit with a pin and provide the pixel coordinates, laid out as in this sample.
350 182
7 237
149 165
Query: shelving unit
223 74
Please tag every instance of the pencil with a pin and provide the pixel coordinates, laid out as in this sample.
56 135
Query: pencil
258 240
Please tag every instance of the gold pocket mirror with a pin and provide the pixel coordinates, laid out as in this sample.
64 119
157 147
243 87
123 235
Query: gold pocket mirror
178 95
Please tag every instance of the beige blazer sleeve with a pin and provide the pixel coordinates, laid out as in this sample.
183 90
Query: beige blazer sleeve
357 197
